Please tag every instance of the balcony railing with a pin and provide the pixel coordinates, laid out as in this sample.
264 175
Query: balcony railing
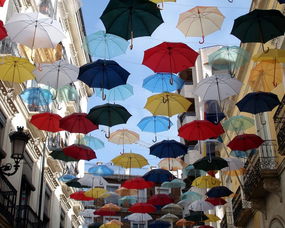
8 196
27 218
224 223
279 120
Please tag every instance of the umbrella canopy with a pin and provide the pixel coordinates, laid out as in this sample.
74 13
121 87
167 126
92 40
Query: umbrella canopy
94 224
200 21
162 82
106 46
59 155
57 74
168 149
88 213
242 154
216 201
258 102
172 57
245 142
191 196
176 183
142 208
126 192
77 123
111 207
167 104
91 180
80 152
16 69
138 217
154 124
206 182
172 208
130 160
36 96
46 121
137 183
210 163
172 164
238 123
118 93
105 74
169 217
281 1
191 171
159 224
158 176
101 170
184 222
66 177
80 196
75 184
3 31
93 142
108 114
96 193
127 200
196 216
219 191
200 130
34 30
233 164
2 2
103 212
201 205
124 136
218 87
212 218
278 55
160 200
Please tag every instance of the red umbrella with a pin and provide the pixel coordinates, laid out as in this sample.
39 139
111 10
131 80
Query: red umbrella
200 130
2 2
137 183
77 123
78 152
142 208
3 32
104 212
212 173
216 201
80 196
160 200
245 142
46 121
170 57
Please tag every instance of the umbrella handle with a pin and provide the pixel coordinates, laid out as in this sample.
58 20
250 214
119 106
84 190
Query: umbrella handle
230 1
171 80
132 40
103 95
265 51
155 139
108 136
164 100
203 40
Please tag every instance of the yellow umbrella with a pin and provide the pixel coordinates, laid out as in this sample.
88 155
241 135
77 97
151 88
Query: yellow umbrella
172 164
111 207
272 54
206 182
115 221
123 137
15 69
108 225
212 218
238 172
130 160
96 193
126 192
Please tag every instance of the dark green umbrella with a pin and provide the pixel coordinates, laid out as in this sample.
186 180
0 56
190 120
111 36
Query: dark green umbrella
131 18
196 216
95 225
259 26
75 184
210 163
59 155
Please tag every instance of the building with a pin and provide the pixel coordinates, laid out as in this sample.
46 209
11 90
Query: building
26 201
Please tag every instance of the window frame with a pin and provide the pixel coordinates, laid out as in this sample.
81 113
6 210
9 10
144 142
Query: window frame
157 191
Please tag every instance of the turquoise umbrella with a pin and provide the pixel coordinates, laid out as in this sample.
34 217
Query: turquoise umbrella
191 171
128 200
104 45
191 196
93 142
118 93
238 123
67 93
176 183
242 154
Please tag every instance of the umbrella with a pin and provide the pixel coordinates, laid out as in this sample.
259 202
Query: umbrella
114 222
158 176
168 149
3 31
176 183
216 201
131 18
159 224
170 57
105 46
67 93
242 154
169 218
16 69
218 87
80 196
130 160
238 123
210 163
57 74
213 112
75 184
173 164
87 213
245 142
258 102
66 177
219 191
111 207
138 217
212 218
93 142
233 164
162 1
191 196
196 216
184 222
118 93
102 212
126 192
91 180
77 123
127 200
277 55
124 136
259 26
191 171
142 208
162 82
137 183
104 74
59 155
36 96
96 193
80 152
101 170
200 130
201 205
95 224
172 208
206 182
34 30
111 196
200 21
281 1
46 121
160 200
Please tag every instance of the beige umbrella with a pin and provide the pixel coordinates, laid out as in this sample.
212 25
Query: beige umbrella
123 137
169 218
173 164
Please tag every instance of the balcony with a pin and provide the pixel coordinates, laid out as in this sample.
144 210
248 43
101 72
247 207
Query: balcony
279 120
8 196
27 218
223 223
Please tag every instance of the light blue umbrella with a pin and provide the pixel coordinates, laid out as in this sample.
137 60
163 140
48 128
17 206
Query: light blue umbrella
66 177
118 93
154 124
67 93
162 82
36 96
176 183
106 46
128 200
191 171
242 154
101 170
93 142
191 196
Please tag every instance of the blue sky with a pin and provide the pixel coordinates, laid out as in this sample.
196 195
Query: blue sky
131 61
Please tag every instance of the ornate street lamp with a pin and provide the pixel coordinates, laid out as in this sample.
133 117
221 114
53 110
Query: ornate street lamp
19 140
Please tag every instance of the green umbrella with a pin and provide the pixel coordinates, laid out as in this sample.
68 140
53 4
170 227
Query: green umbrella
75 184
59 155
238 123
131 18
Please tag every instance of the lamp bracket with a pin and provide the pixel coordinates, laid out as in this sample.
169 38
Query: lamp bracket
8 167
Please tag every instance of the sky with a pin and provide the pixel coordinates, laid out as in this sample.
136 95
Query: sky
131 61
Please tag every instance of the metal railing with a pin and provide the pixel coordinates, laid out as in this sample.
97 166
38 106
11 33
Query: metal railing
27 218
224 223
279 120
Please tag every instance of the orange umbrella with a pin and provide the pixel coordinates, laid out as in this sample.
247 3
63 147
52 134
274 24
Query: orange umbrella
111 207
126 192
184 222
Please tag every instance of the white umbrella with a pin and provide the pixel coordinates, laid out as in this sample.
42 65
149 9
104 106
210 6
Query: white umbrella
233 164
34 30
57 74
92 181
169 218
88 213
217 87
138 217
172 208
201 205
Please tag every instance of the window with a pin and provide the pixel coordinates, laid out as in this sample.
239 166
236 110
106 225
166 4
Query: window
276 223
138 225
2 127
142 196
191 109
62 219
45 7
187 76
47 205
112 188
109 218
88 220
161 190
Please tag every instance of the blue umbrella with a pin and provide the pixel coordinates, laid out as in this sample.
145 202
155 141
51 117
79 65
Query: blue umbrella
176 183
66 177
101 170
106 46
258 102
127 200
168 149
154 124
103 74
219 191
36 96
93 142
162 82
191 196
191 171
118 93
281 1
159 224
242 154
158 176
